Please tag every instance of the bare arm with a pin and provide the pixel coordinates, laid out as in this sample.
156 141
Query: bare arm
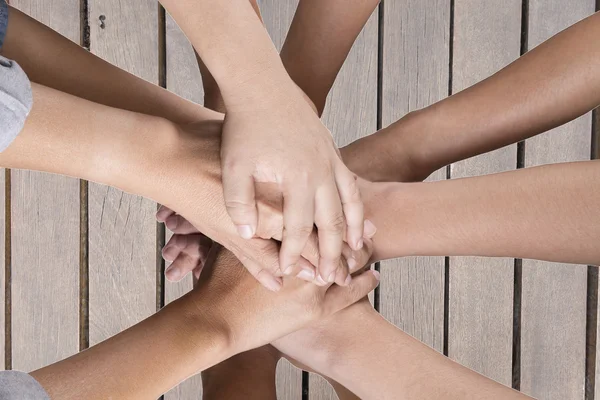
43 54
346 345
249 375
319 40
546 213
270 130
195 332
549 86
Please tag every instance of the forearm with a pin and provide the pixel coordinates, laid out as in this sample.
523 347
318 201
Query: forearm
54 61
407 368
319 40
545 213
234 46
71 136
249 375
142 362
549 86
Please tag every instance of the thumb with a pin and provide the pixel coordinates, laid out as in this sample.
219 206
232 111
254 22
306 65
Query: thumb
238 191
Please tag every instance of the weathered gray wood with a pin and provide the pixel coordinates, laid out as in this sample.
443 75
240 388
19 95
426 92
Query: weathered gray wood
45 241
415 75
122 227
183 78
277 16
350 114
486 38
2 267
554 295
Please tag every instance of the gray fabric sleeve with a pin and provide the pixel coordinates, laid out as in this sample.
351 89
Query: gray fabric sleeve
16 100
16 385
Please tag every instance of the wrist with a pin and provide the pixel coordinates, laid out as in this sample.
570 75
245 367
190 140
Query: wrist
129 160
208 337
397 153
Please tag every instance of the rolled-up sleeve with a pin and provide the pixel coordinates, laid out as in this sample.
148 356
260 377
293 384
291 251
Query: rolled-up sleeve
15 91
16 385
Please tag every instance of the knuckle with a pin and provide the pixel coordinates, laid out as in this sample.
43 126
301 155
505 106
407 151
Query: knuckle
297 231
335 223
233 164
353 193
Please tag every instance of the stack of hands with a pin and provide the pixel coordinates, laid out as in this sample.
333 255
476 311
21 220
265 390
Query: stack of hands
300 220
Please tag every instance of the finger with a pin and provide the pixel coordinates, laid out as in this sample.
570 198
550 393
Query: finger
262 262
370 229
197 271
342 275
330 225
163 213
338 297
311 250
298 214
238 190
305 270
177 224
188 252
352 205
183 264
358 259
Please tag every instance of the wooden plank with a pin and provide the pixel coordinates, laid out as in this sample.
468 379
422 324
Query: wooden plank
486 38
415 75
554 295
2 267
122 227
45 241
183 78
350 114
277 16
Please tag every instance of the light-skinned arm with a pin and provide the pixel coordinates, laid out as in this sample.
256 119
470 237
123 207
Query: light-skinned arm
272 135
346 345
112 87
545 213
547 87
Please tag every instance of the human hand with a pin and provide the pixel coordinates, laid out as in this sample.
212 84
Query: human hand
280 140
192 185
188 248
254 317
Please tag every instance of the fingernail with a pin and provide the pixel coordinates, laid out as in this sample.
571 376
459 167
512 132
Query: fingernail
245 231
306 275
370 229
359 244
331 277
288 270
272 284
376 274
165 254
348 280
320 281
173 274
171 223
351 263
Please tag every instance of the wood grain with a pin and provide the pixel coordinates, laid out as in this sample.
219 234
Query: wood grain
45 241
122 227
415 75
183 78
554 295
480 326
2 267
